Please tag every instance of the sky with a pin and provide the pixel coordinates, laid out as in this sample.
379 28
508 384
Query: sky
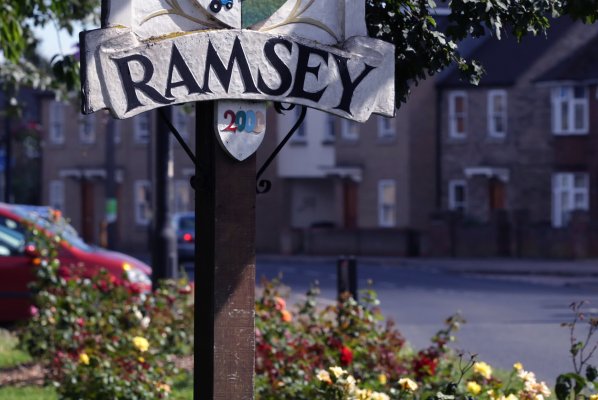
52 42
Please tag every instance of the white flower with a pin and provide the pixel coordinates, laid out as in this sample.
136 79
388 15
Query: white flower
337 371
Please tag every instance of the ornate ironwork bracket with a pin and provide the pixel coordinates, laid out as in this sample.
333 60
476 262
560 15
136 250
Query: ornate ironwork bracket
184 145
263 186
177 136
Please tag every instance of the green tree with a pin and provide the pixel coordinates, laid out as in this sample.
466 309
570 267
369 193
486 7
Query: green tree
423 48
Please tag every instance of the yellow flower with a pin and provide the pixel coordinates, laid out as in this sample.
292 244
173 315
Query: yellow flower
324 376
473 388
141 344
141 360
126 267
382 379
337 371
518 366
407 384
379 396
84 359
594 397
163 387
483 369
509 397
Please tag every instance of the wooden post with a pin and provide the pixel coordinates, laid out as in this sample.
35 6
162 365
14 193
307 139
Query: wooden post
224 268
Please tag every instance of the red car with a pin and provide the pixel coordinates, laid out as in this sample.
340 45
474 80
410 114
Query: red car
16 258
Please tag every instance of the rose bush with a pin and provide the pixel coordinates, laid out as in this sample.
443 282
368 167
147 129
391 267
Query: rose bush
99 336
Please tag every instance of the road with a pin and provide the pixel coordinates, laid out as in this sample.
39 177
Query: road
508 320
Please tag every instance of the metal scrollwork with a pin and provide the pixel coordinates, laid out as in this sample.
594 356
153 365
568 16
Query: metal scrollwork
263 186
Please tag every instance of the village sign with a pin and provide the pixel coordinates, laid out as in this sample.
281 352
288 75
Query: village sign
310 52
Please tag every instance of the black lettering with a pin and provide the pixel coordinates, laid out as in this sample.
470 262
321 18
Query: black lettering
349 85
131 87
303 69
187 78
286 77
223 73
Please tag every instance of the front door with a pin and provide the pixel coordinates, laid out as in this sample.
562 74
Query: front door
350 204
497 194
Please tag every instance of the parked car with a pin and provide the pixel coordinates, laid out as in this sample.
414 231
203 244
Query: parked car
184 226
16 258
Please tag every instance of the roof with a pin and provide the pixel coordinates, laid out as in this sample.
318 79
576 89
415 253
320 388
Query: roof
507 59
582 65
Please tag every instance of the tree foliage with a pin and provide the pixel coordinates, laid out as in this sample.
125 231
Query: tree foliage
424 47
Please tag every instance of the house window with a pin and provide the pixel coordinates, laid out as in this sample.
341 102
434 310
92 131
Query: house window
142 203
458 115
142 128
570 192
350 130
180 120
387 203
570 114
182 196
56 195
458 195
87 132
117 129
330 133
300 136
497 113
385 128
56 122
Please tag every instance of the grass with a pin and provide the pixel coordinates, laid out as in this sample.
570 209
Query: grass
10 355
29 393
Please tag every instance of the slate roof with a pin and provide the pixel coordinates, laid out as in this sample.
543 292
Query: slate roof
506 60
581 66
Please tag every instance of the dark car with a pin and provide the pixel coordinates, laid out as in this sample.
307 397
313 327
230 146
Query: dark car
16 258
184 226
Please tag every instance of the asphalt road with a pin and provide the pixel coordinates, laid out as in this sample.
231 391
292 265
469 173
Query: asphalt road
508 320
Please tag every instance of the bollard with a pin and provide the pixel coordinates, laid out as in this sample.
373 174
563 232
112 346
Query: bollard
346 273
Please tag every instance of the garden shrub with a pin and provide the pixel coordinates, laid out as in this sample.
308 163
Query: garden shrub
100 337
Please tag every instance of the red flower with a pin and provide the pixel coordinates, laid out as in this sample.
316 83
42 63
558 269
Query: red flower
346 356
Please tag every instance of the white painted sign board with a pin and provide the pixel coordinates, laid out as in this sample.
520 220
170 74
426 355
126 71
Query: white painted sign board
310 52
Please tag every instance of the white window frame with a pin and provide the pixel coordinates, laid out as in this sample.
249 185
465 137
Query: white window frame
300 135
565 95
56 122
117 131
56 194
330 132
87 131
180 120
141 134
386 128
350 130
142 187
453 204
493 96
383 221
563 183
453 115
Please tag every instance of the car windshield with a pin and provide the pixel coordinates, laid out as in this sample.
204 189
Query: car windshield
187 223
60 227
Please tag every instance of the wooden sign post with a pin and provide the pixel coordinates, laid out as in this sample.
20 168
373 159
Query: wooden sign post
154 53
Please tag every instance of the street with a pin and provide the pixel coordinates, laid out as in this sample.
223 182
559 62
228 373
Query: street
509 319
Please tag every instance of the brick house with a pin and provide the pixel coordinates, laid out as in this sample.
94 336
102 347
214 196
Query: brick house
513 147
75 170
342 187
